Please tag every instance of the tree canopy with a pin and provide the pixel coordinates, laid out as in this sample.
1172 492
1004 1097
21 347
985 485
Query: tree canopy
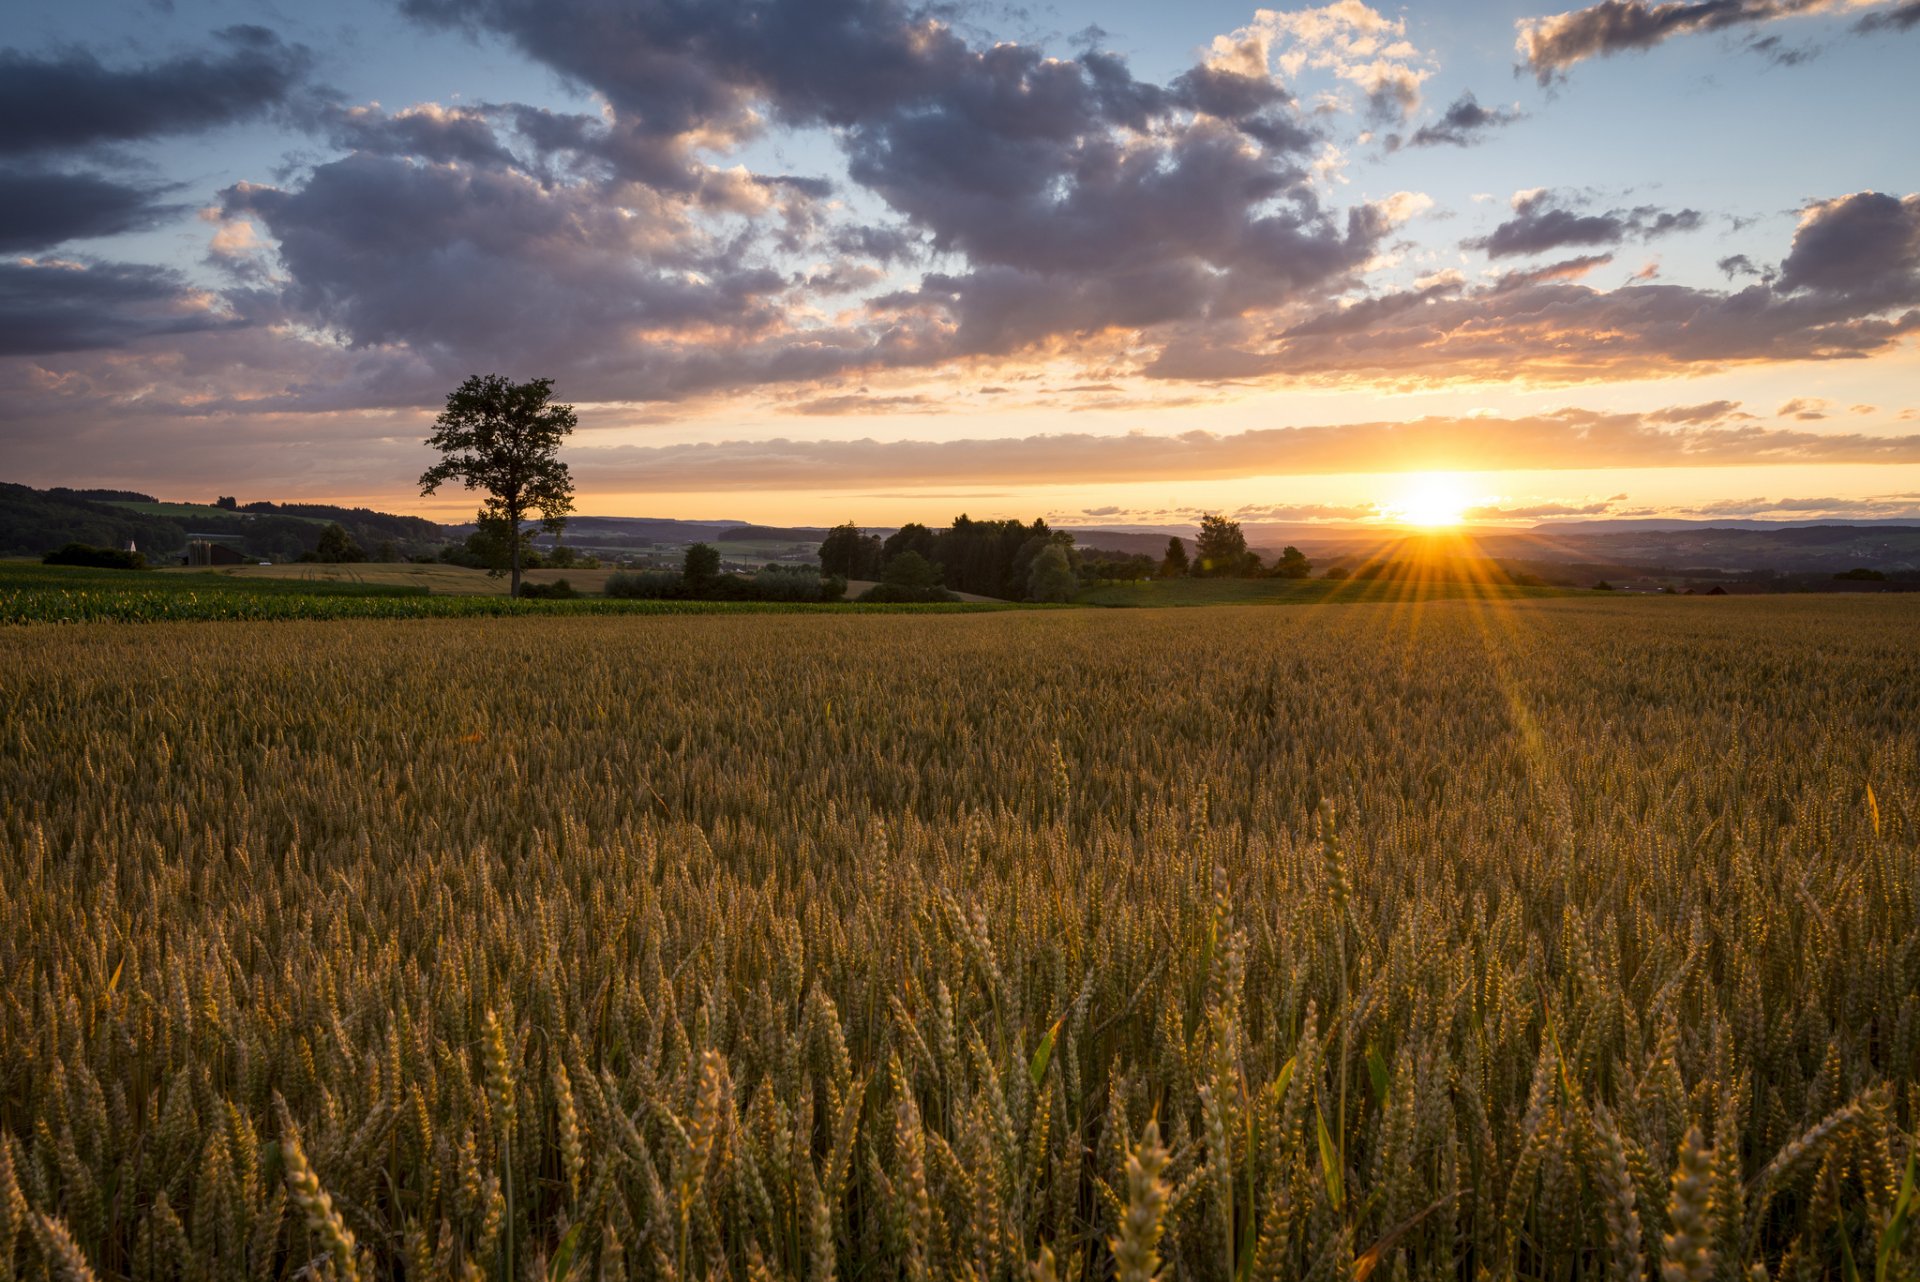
1221 549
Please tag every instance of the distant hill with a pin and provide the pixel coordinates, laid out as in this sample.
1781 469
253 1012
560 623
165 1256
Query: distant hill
33 522
1637 525
36 521
1744 549
1130 542
773 534
626 533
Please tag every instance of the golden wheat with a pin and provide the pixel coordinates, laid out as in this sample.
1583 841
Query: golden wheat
992 946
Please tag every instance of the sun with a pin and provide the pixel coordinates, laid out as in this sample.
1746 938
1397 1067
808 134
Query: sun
1432 500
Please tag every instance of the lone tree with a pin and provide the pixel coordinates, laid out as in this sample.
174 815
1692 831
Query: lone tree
503 438
1174 564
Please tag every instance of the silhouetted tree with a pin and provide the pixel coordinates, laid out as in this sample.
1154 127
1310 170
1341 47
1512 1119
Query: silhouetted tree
228 502
911 570
848 553
1174 564
702 565
1293 564
504 438
337 545
911 537
1221 548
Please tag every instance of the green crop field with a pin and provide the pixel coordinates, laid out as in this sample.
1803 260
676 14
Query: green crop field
31 593
1559 940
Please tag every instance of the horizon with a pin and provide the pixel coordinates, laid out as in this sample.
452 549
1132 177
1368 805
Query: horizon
1388 526
1440 265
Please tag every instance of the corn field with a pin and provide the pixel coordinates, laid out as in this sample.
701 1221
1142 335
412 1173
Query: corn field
1557 940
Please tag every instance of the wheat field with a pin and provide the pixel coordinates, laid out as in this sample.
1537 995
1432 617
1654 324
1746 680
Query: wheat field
1554 940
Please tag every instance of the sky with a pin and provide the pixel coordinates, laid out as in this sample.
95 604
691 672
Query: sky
803 261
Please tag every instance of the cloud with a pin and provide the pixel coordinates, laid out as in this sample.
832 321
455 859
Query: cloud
1566 269
1541 222
1464 123
1568 439
1066 203
1858 244
1853 290
1537 511
864 403
1356 43
1782 54
1806 408
71 100
1904 16
489 266
1280 512
56 305
429 130
1879 506
1550 45
1707 412
40 209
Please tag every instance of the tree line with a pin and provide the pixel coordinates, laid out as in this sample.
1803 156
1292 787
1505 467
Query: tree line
1022 561
1010 559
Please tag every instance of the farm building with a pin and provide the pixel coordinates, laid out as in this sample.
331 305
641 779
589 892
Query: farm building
202 550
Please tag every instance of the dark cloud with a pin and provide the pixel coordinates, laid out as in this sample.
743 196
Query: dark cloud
1902 17
70 100
41 209
1738 265
1080 198
1856 245
1853 291
59 306
1067 198
1551 45
480 265
1540 223
432 132
1782 54
1461 125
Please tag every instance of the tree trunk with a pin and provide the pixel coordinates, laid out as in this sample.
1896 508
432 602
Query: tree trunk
513 537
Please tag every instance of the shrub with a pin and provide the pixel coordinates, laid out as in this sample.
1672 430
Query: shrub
558 590
647 585
96 558
910 570
771 583
796 583
901 594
